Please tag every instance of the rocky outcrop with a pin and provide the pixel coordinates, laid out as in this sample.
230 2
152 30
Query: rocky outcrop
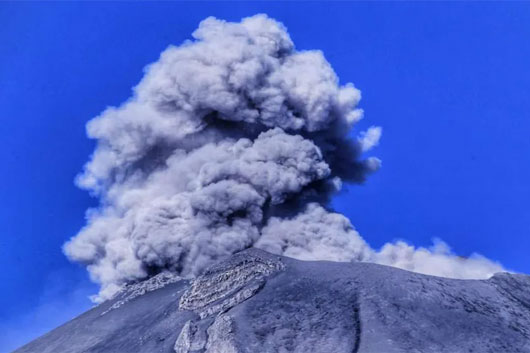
217 291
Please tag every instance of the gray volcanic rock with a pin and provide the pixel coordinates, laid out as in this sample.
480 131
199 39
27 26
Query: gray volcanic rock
257 302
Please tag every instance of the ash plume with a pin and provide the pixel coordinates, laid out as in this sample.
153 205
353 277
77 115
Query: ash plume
232 140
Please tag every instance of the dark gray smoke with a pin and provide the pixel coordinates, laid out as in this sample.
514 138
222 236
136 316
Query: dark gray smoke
232 140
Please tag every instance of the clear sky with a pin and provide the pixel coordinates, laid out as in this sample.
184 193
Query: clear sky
448 82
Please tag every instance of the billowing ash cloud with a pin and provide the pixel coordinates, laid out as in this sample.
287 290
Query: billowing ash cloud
232 140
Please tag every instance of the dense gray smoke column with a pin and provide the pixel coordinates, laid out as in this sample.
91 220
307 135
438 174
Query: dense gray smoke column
232 140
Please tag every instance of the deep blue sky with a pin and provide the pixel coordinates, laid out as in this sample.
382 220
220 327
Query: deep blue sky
448 82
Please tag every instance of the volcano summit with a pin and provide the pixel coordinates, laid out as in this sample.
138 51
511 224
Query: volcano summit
258 302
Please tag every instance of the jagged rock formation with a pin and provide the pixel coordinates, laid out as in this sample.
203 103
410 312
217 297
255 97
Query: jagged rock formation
230 283
220 289
257 302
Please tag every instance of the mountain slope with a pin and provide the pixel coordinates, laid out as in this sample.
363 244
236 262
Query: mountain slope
257 302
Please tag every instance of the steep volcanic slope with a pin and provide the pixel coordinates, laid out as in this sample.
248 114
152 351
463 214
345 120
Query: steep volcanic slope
257 302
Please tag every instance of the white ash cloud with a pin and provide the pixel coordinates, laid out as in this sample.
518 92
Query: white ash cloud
231 140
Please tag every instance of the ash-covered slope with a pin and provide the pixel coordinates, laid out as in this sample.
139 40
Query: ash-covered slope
257 302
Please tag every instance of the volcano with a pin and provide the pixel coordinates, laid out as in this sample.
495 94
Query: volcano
258 302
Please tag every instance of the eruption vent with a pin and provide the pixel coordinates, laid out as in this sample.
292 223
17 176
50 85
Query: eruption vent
230 141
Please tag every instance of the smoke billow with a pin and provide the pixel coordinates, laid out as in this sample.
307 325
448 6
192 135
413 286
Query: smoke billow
230 141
